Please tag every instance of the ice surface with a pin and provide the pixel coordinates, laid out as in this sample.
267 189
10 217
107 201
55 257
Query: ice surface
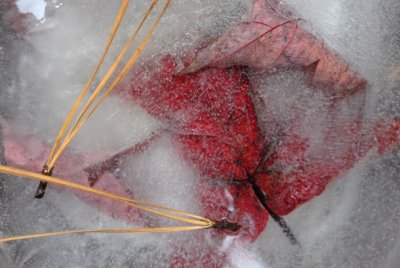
174 188
37 8
354 223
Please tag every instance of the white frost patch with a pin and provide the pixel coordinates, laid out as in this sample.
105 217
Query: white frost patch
36 7
227 242
229 197
161 175
241 257
118 125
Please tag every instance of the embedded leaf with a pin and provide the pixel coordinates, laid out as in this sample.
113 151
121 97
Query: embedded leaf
271 41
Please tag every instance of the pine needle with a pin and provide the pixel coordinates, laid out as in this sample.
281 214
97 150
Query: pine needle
62 140
145 206
113 231
85 114
89 82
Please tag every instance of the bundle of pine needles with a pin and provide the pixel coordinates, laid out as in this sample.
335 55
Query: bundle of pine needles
74 122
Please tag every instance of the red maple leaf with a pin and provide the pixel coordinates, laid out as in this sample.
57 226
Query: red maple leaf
272 40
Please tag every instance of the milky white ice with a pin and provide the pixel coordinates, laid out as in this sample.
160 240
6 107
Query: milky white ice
35 7
354 223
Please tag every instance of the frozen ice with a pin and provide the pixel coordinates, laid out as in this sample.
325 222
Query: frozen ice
174 188
37 8
353 223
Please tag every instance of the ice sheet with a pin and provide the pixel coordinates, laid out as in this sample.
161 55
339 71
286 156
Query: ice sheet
354 223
